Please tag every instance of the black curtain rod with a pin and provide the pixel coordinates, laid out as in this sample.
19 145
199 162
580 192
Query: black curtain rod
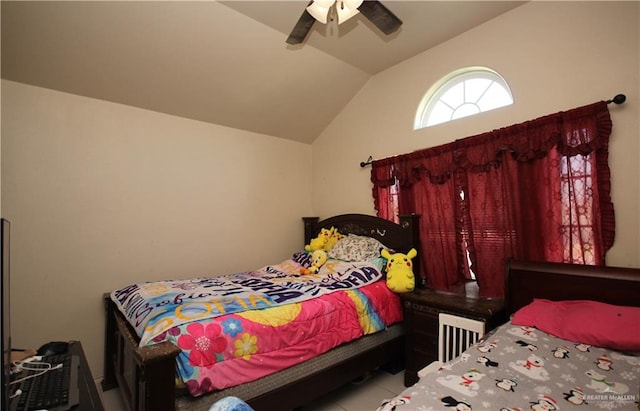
618 99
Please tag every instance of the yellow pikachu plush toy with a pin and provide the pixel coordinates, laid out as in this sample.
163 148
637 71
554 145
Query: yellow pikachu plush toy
334 237
320 241
326 239
400 278
318 258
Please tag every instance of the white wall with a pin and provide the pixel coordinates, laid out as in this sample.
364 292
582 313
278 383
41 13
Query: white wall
554 55
102 195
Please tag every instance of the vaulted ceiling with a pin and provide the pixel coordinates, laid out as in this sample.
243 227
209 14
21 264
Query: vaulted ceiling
223 62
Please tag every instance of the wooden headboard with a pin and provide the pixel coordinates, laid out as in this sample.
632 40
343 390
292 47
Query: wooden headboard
398 237
559 281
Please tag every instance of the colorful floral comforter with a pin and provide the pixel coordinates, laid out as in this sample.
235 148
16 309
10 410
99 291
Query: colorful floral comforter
523 368
284 318
152 308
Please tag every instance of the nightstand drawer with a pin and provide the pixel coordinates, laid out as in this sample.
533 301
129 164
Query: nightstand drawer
426 341
424 355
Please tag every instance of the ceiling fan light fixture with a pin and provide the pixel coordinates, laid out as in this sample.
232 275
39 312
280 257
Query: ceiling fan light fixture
319 9
341 11
347 9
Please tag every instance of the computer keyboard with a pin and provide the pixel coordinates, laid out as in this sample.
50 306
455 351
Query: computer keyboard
55 390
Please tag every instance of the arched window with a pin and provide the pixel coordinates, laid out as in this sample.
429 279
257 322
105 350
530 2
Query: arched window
462 93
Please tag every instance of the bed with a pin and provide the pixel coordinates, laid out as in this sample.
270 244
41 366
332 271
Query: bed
526 364
145 374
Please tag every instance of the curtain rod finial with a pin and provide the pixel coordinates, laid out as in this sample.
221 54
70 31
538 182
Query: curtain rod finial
363 164
618 99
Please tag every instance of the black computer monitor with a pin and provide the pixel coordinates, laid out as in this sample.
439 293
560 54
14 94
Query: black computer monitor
4 305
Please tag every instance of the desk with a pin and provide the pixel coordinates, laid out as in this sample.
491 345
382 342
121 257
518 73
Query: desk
90 399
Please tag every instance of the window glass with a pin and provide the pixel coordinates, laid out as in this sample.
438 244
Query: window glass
463 93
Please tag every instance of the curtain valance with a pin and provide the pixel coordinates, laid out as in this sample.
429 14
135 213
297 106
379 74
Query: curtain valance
578 131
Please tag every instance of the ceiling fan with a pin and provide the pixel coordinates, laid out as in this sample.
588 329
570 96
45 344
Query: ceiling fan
320 10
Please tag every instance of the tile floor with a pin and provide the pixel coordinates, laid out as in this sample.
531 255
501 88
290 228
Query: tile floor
366 396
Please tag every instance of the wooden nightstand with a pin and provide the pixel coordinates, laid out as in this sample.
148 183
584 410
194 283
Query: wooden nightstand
421 309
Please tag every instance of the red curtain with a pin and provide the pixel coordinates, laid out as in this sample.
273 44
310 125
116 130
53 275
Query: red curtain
536 191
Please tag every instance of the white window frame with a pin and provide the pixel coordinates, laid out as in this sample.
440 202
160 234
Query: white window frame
433 98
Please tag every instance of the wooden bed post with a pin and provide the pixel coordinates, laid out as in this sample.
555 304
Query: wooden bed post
109 380
309 226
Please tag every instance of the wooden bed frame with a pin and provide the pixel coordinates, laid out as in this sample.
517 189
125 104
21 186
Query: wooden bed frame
557 282
561 282
146 376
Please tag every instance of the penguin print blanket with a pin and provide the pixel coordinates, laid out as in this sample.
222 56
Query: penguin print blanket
522 368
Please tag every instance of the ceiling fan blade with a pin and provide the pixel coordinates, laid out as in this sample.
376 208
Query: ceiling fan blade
380 16
301 29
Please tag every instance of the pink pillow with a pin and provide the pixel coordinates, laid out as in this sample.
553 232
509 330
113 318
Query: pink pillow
582 321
